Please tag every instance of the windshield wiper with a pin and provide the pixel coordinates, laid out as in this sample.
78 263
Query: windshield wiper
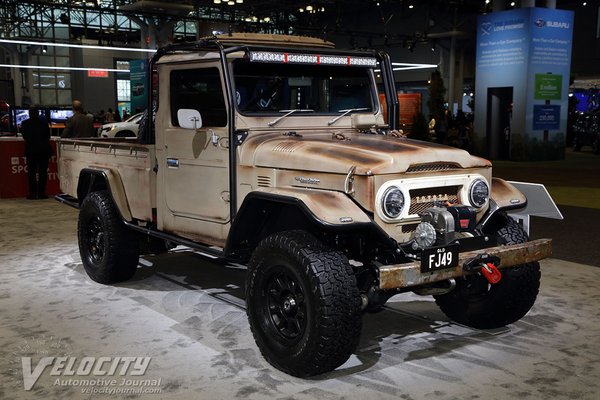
345 112
287 113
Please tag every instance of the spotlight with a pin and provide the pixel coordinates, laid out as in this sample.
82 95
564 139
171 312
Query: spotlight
44 49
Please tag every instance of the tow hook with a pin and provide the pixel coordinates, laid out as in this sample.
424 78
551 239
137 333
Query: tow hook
485 264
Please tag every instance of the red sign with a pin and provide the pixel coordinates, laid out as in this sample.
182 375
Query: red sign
97 73
13 169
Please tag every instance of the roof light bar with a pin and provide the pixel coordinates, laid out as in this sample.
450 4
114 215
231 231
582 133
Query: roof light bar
316 59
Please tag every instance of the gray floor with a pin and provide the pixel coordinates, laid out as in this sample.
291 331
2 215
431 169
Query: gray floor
187 315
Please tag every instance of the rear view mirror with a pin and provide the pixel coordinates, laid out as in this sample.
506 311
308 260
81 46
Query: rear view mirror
189 118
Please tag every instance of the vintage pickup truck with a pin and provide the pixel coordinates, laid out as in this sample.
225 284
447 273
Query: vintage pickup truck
273 151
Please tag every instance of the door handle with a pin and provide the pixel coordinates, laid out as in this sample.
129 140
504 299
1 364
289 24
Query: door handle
172 162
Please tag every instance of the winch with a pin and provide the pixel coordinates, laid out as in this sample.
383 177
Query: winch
440 225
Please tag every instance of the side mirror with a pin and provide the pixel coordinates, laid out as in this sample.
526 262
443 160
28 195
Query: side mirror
189 119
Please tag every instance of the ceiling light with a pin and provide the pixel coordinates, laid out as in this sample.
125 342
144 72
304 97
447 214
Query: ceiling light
512 3
411 6
231 3
77 46
301 10
62 68
217 1
239 1
309 8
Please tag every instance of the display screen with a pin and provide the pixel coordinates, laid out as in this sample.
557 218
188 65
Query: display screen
22 114
60 115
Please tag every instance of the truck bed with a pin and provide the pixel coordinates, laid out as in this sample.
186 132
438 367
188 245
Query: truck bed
128 165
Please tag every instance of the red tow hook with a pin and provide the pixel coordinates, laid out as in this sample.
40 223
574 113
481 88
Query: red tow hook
491 273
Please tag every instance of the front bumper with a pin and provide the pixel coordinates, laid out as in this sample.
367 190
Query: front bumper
409 274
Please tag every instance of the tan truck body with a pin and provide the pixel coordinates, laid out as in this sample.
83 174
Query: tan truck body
235 181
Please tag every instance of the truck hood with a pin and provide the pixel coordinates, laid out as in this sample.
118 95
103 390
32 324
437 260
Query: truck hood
371 154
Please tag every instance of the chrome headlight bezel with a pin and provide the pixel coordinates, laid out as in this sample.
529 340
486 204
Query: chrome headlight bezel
475 198
386 199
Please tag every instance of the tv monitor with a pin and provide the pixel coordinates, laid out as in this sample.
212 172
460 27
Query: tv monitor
60 115
21 114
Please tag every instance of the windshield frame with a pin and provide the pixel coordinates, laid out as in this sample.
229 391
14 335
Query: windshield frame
373 95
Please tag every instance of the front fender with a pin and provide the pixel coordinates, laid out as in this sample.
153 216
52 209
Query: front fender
506 196
269 210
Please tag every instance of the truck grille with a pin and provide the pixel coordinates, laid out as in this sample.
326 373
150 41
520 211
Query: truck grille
422 199
432 167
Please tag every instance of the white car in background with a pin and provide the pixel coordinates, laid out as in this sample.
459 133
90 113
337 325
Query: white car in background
127 128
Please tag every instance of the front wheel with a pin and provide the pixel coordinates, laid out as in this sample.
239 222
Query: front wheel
109 251
303 304
478 304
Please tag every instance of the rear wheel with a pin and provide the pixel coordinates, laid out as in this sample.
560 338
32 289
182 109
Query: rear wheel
476 303
109 251
303 304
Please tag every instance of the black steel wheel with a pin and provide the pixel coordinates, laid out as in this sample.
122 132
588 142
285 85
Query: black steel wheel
109 251
303 304
478 304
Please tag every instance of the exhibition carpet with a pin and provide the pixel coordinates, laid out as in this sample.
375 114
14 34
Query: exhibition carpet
187 314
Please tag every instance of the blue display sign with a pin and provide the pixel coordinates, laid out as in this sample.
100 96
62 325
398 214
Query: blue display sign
523 59
138 81
546 117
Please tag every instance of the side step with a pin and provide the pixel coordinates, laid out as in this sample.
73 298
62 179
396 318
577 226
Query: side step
68 200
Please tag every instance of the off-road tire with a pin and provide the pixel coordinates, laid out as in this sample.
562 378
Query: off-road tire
109 251
476 303
323 330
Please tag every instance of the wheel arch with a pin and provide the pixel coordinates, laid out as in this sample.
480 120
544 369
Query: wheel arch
95 179
264 212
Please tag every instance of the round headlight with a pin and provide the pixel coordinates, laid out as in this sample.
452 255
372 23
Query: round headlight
479 192
392 202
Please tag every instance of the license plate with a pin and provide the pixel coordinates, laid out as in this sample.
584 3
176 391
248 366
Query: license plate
436 258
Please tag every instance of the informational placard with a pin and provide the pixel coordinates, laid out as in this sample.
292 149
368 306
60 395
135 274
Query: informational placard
548 87
410 105
546 117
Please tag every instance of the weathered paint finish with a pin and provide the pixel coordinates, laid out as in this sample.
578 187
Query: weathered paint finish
409 274
506 195
333 208
372 154
127 165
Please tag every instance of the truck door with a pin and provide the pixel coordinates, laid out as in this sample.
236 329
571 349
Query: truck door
196 177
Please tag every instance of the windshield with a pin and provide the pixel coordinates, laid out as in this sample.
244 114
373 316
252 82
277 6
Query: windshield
270 88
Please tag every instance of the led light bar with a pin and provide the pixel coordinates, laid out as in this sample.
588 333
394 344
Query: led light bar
315 59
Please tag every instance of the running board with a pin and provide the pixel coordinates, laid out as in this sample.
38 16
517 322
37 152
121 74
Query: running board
68 200
177 239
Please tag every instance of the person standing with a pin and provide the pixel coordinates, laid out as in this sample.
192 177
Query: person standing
110 117
36 134
79 125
